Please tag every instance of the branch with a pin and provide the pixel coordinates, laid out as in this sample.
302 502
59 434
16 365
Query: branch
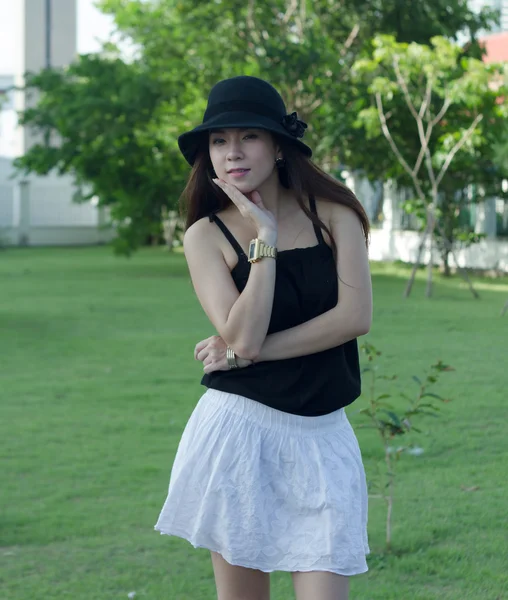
250 21
424 135
289 13
442 112
393 145
350 39
388 135
421 154
316 104
457 147
303 6
426 99
402 82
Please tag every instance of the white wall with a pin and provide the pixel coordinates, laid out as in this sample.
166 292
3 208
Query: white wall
489 254
39 211
392 242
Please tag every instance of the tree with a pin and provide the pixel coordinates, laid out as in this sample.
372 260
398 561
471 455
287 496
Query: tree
108 118
394 424
117 122
305 47
457 105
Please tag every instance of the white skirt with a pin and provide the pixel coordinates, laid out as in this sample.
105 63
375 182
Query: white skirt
269 490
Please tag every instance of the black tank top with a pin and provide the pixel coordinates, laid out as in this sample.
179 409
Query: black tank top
306 286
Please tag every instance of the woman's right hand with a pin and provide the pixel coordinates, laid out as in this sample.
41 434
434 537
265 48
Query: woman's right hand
251 207
212 353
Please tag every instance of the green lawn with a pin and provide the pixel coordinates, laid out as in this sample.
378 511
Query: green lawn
97 380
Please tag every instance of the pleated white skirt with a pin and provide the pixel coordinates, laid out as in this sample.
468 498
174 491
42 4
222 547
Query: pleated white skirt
269 490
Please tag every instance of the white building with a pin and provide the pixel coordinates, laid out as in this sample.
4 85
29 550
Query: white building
37 210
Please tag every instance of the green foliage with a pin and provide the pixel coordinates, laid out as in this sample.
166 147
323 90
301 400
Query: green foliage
467 86
393 423
114 124
443 115
108 116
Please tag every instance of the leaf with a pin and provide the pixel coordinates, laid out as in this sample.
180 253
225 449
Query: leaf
384 405
473 488
431 395
429 414
393 416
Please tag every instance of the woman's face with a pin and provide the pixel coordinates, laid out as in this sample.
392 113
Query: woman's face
243 157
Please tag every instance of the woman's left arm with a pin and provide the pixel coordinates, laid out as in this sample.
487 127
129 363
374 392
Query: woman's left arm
351 317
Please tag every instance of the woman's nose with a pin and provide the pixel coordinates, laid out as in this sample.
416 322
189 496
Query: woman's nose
234 150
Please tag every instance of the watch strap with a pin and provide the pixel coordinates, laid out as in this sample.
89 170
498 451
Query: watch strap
259 249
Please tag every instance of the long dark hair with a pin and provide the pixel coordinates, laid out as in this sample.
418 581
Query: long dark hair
201 196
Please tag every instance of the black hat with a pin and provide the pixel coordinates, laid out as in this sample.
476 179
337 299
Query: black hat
244 102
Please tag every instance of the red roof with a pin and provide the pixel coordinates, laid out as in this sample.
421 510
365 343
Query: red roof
496 46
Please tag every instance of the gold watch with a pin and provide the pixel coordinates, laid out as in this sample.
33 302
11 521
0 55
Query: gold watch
258 250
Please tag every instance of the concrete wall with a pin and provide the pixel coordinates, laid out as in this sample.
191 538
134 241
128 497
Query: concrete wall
39 211
391 241
489 254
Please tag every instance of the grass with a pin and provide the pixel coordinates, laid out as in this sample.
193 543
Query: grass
97 381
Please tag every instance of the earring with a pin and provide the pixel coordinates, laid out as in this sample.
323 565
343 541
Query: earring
280 162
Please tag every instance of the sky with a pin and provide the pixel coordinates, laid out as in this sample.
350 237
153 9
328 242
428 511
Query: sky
92 24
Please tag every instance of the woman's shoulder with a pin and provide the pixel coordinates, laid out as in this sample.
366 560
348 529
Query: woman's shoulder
199 233
205 236
331 210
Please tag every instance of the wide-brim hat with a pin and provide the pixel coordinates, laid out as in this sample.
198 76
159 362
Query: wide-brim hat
244 102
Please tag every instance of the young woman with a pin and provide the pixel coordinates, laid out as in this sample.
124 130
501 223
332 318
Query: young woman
268 475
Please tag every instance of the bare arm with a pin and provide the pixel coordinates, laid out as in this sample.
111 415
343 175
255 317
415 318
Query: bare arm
351 317
242 320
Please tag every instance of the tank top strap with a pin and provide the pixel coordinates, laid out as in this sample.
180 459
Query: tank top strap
317 229
229 236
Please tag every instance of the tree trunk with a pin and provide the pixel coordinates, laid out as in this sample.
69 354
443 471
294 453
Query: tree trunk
505 308
389 497
430 266
465 276
448 219
428 229
446 264
409 285
462 271
169 224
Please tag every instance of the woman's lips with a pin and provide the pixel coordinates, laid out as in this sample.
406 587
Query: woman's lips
238 174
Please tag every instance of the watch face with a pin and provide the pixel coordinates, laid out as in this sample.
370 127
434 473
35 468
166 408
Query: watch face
252 250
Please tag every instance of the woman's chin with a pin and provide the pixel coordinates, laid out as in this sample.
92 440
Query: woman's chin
245 187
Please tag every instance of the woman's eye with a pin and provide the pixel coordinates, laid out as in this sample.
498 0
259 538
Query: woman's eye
217 141
251 136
